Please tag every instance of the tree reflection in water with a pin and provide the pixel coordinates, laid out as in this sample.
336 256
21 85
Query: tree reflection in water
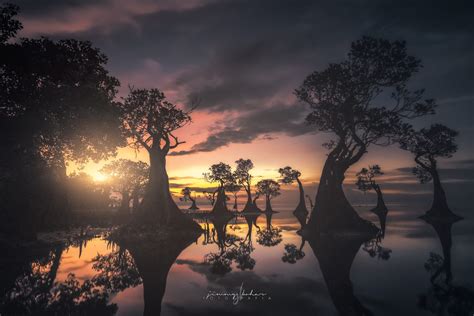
444 297
35 292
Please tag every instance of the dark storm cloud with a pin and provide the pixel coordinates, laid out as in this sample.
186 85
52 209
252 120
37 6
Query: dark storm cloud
288 120
247 56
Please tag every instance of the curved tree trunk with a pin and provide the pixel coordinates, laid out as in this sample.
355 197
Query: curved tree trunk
268 205
250 206
158 206
220 205
439 207
302 203
381 209
332 211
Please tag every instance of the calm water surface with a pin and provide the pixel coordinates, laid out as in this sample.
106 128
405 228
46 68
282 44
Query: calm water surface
415 269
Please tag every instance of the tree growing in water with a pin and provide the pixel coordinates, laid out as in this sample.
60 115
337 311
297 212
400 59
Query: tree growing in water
128 178
429 144
187 196
149 120
244 178
234 188
270 189
290 175
222 174
366 182
345 100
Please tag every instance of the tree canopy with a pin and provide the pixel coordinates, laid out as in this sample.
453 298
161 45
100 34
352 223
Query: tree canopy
150 120
366 177
429 144
352 99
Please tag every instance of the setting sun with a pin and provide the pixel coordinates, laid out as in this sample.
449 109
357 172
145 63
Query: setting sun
99 177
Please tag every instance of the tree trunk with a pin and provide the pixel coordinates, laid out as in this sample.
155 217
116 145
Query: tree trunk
250 206
193 204
439 206
301 208
332 212
124 209
268 205
235 208
220 205
381 209
158 207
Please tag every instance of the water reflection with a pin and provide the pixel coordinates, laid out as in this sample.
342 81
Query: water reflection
265 251
444 297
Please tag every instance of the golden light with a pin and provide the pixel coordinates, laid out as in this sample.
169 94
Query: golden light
99 177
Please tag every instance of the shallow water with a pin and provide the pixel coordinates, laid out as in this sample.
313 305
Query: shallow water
390 276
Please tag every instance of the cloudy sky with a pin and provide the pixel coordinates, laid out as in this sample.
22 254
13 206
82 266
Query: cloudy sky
244 58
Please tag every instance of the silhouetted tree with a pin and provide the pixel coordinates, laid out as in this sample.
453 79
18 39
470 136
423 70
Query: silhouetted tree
244 178
150 121
56 105
344 100
128 178
290 175
270 189
429 144
187 195
366 182
444 297
222 174
234 188
210 196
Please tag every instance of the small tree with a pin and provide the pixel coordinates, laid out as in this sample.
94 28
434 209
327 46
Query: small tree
270 189
149 120
187 196
234 188
222 174
366 182
244 178
290 175
128 178
429 144
346 101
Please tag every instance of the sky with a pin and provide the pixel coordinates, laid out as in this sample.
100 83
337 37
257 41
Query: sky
244 58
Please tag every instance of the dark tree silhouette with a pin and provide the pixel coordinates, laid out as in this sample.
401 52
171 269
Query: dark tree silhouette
129 178
366 182
187 196
293 253
244 178
429 144
336 255
222 174
270 189
234 188
345 101
290 175
150 121
444 297
56 105
153 269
